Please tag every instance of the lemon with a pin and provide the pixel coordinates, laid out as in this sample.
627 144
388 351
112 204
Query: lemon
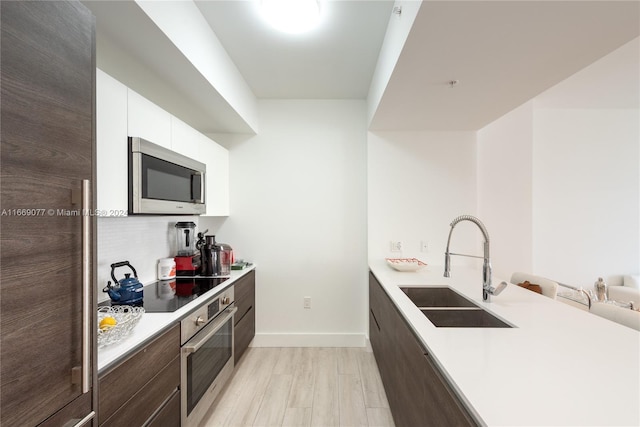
108 323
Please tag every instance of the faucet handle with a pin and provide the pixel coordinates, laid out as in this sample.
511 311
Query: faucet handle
447 264
497 290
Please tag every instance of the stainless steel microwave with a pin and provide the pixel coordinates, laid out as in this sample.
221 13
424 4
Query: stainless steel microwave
162 181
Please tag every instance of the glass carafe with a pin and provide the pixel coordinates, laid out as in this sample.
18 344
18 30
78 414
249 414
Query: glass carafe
225 259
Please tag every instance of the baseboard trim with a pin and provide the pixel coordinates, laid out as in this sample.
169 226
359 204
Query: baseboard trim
309 340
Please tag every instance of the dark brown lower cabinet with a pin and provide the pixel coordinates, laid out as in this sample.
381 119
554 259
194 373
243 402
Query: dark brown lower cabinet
243 333
245 318
145 388
169 415
70 413
418 393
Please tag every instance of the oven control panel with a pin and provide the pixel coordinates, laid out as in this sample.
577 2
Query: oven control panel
199 318
213 308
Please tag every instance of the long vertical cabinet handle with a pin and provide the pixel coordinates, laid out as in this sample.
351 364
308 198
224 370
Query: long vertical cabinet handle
86 286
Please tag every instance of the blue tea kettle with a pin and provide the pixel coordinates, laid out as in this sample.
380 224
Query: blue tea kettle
127 291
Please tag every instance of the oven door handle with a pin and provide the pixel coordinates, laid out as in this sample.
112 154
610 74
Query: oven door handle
209 331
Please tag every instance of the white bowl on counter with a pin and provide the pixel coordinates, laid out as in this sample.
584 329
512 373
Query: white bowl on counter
405 264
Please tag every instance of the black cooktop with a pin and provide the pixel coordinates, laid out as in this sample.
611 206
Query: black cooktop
166 296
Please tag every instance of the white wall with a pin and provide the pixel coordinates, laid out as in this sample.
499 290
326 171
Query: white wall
570 159
505 188
585 198
298 210
418 182
586 165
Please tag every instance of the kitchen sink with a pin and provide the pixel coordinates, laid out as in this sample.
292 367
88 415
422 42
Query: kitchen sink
446 308
436 297
463 318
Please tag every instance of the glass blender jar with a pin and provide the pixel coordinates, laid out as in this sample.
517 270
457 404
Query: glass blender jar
186 238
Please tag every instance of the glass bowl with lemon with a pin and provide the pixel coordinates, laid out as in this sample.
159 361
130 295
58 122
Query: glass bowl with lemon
115 323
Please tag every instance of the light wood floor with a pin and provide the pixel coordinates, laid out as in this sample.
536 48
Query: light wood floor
299 387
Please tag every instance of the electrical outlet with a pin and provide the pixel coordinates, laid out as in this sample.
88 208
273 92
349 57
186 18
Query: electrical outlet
396 246
423 246
307 302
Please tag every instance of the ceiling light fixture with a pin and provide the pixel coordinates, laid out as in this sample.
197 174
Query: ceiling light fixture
292 16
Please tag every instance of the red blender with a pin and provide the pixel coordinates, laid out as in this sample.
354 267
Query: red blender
187 257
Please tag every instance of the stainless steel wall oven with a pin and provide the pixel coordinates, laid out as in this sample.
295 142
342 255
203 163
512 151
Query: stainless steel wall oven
206 356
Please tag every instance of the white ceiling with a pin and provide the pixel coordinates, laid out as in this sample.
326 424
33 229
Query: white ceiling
502 52
335 60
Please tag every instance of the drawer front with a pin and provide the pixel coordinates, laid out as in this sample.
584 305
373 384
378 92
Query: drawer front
117 386
450 410
245 286
244 309
142 405
245 295
76 410
243 333
169 416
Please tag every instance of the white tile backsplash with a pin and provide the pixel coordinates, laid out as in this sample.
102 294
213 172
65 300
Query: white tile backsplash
141 240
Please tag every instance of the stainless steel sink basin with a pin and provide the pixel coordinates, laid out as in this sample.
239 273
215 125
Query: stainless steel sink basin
436 297
463 318
446 308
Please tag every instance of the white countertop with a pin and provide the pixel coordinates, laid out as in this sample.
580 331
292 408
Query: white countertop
559 366
152 324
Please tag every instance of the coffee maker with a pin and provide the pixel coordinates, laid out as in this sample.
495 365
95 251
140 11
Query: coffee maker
188 261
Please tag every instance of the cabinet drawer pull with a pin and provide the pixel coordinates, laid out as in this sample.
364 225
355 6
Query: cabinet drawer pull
159 409
82 422
374 319
239 318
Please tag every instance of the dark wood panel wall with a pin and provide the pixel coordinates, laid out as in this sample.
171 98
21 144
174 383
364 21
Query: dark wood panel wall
47 149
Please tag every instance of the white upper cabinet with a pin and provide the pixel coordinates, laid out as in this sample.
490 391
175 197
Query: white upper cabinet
111 146
148 121
185 139
122 112
216 158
